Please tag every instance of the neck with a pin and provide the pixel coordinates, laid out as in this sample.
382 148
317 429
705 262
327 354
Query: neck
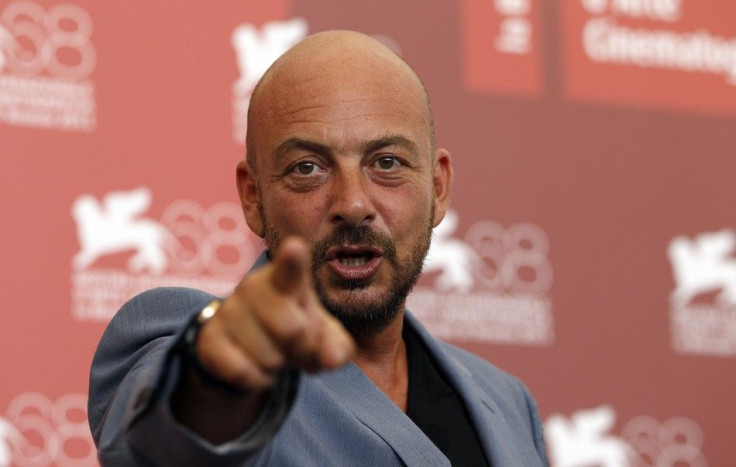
381 356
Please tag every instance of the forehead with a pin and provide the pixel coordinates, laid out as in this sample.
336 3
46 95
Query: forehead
340 102
334 101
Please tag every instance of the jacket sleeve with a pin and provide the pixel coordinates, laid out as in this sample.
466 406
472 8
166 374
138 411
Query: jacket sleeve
536 424
134 372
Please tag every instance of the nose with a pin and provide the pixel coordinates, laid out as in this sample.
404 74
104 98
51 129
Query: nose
351 202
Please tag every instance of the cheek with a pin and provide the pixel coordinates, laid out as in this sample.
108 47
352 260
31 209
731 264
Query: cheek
407 213
295 213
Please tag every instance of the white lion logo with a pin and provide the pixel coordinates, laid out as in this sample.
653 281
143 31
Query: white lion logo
7 42
595 7
10 440
583 440
704 264
257 50
112 227
455 260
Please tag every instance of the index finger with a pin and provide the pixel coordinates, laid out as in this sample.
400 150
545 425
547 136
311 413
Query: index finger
291 266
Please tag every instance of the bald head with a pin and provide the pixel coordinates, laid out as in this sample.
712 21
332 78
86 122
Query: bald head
333 63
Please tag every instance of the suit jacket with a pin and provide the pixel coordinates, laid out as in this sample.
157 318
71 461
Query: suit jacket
332 418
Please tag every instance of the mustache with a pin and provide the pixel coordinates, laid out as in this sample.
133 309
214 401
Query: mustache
360 235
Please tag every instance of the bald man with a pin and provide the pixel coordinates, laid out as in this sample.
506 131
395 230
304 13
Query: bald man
313 359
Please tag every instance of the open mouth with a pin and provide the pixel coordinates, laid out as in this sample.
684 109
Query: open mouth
354 261
353 255
351 259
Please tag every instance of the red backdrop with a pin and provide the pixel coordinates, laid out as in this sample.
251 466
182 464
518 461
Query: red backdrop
590 249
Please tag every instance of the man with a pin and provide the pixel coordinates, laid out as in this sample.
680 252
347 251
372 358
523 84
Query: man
313 360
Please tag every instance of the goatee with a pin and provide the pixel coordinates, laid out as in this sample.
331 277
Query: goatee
362 316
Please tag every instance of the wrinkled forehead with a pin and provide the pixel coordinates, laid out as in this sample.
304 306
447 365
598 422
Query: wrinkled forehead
334 83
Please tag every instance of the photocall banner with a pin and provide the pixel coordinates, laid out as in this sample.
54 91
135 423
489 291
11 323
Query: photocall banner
590 248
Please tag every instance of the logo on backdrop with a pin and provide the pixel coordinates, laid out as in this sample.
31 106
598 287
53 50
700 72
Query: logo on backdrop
669 45
586 438
490 286
256 49
502 46
607 41
703 303
122 252
46 59
36 431
515 33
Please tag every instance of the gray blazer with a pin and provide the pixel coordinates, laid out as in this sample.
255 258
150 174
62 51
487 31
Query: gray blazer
333 418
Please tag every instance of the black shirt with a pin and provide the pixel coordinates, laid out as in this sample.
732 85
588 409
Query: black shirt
435 407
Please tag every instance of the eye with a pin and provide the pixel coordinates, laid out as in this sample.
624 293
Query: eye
387 163
305 168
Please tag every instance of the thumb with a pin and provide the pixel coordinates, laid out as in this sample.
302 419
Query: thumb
291 266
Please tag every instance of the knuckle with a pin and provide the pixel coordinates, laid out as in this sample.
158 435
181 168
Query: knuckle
243 375
291 331
255 380
273 362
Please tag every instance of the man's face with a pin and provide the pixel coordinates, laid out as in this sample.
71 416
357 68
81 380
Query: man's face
348 166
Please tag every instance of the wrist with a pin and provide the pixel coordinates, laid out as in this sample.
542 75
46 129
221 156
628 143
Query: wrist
188 350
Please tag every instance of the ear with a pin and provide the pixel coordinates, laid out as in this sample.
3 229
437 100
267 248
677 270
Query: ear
245 178
443 176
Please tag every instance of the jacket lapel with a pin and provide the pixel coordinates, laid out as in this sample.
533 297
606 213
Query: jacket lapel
377 412
495 435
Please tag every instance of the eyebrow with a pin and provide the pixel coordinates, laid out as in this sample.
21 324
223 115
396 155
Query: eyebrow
295 143
391 140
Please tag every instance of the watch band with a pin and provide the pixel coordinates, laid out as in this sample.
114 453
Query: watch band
189 348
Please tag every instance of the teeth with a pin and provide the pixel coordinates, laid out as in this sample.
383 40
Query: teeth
349 261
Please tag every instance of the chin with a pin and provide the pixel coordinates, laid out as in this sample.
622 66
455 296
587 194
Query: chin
362 310
361 321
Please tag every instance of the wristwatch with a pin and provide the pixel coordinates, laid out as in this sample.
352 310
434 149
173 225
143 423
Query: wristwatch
188 347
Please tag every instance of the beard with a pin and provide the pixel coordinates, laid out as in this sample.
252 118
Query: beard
362 316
